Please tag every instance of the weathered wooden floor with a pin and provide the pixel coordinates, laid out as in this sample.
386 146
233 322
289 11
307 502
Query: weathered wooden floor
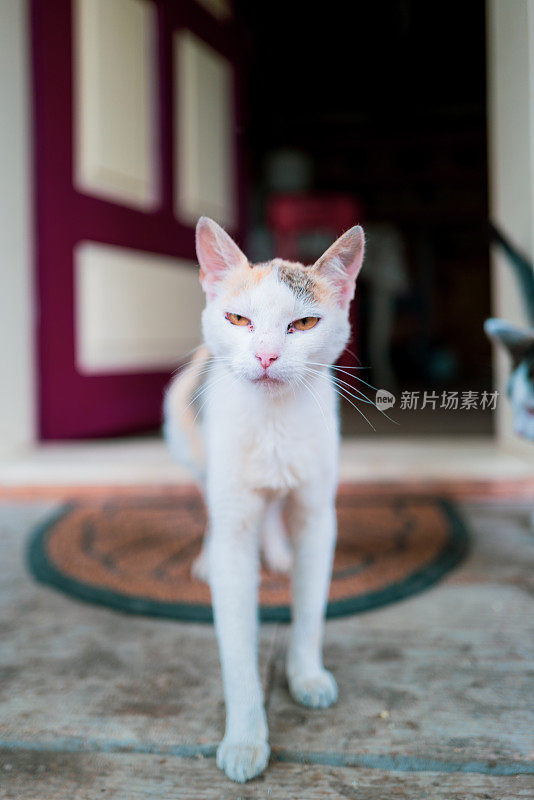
436 693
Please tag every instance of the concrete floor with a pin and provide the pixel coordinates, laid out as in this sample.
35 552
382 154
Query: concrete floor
436 693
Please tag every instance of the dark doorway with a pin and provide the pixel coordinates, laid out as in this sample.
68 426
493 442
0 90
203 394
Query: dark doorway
385 103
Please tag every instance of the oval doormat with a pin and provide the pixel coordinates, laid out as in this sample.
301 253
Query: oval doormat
135 554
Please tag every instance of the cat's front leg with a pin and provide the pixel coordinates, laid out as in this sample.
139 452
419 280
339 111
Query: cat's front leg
313 523
234 570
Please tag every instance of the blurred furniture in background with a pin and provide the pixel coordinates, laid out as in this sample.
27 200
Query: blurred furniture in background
300 222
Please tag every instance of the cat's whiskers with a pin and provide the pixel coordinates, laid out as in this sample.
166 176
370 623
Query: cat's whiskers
346 370
209 362
351 403
353 354
203 386
341 392
355 377
198 394
184 364
341 385
333 366
209 385
308 387
360 396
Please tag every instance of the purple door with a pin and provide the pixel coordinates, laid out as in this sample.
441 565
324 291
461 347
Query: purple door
134 136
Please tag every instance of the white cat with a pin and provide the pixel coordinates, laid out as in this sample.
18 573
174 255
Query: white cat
268 441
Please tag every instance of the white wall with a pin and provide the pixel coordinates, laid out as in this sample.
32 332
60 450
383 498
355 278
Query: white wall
16 359
510 43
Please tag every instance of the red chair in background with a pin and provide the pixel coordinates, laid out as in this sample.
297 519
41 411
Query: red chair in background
292 216
297 221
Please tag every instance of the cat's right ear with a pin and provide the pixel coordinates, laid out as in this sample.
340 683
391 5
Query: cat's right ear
217 253
342 262
516 340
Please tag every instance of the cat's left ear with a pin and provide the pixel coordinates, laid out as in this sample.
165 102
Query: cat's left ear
517 341
342 262
217 253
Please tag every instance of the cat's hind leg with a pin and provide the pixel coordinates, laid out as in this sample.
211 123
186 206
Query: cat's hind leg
199 567
275 545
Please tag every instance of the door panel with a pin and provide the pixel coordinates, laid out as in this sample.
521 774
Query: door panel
108 378
204 123
134 310
114 93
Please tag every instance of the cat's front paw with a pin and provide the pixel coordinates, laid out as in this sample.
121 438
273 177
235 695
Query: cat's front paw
318 690
242 760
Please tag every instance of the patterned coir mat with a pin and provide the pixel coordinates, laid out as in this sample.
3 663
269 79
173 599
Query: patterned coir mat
135 554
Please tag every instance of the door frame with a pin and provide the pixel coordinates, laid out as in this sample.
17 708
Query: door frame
17 396
510 89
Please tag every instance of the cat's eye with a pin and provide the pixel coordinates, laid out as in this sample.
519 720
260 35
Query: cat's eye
237 319
304 324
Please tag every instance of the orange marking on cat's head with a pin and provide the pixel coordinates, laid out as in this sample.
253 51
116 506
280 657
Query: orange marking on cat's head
304 282
243 279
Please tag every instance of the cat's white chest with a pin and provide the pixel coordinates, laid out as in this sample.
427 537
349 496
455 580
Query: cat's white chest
272 446
280 455
289 446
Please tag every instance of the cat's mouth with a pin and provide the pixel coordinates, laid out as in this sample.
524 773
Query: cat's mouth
267 380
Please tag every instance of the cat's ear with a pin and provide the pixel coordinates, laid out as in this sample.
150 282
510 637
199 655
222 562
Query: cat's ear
216 252
516 340
342 262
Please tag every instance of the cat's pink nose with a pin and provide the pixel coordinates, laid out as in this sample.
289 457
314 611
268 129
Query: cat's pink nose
266 359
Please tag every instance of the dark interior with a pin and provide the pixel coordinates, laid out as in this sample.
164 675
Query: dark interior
385 103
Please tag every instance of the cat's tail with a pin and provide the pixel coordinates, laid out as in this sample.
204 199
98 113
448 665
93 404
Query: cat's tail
180 426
